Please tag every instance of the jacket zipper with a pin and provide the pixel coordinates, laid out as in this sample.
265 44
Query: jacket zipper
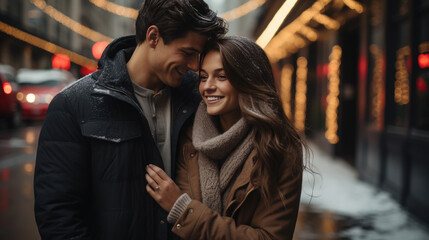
245 197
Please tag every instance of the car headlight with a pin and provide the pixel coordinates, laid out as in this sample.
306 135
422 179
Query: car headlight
31 98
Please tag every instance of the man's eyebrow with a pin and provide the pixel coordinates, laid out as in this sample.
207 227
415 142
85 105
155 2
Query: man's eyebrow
190 49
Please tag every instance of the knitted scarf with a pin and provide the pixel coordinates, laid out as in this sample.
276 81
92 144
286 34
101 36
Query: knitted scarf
220 155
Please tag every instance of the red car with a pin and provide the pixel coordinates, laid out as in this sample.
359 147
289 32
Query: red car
38 88
10 108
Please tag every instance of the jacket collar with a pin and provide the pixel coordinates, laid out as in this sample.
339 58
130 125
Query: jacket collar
112 66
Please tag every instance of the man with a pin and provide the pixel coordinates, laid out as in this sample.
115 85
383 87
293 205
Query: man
101 132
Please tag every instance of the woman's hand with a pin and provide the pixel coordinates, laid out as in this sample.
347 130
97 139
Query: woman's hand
161 187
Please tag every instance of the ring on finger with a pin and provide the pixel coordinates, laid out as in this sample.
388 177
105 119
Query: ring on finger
157 187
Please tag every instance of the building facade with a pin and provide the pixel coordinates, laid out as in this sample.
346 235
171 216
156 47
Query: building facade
29 28
354 77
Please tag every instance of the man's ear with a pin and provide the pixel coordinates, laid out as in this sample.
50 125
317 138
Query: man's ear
152 36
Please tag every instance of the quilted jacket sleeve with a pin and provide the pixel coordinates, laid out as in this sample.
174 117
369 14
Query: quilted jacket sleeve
61 181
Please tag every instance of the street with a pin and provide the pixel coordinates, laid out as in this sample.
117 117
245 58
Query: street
334 203
17 158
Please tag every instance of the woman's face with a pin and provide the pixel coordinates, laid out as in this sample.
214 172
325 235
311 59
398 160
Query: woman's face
216 90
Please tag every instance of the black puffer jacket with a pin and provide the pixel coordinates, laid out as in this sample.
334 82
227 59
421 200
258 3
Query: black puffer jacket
94 146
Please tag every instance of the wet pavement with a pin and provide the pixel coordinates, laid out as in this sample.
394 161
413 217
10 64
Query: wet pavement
17 157
335 205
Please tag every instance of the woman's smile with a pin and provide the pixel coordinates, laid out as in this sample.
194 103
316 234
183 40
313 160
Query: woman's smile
213 99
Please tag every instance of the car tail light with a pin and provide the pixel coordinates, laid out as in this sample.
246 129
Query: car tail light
7 88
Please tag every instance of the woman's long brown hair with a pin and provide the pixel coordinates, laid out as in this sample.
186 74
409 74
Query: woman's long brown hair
276 140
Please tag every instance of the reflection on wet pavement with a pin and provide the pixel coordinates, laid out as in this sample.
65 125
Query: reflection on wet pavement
17 158
19 141
327 225
16 203
335 204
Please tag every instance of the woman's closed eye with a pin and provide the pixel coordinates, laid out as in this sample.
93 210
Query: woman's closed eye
222 77
203 78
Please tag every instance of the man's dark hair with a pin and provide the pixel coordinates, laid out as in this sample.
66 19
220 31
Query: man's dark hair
174 18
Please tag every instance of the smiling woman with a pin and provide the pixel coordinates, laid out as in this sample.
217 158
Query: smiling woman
239 167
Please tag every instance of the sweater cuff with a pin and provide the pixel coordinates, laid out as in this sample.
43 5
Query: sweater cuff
178 208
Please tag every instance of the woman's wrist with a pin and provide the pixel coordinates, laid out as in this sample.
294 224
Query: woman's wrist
178 208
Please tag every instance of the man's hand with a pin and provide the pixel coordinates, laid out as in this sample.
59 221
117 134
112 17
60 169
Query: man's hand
161 187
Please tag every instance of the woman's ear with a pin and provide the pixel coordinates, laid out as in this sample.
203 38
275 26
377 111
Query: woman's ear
152 36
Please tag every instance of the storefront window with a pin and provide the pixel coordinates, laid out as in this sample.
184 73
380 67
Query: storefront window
376 67
401 80
422 81
376 88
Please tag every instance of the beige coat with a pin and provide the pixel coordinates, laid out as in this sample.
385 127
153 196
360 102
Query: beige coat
246 216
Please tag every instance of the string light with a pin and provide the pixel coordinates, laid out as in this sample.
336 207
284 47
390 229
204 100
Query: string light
45 45
377 86
354 5
402 83
275 23
326 21
301 93
308 32
116 8
132 13
275 46
70 23
333 102
287 35
286 88
242 10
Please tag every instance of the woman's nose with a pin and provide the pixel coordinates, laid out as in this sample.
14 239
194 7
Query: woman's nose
209 84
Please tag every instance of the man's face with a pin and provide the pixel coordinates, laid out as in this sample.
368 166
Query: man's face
171 61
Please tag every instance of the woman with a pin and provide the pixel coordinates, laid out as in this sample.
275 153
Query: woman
239 169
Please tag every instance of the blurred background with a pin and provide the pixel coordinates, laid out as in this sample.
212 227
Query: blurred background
353 77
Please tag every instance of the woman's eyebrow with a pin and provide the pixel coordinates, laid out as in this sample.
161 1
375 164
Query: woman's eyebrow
216 70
